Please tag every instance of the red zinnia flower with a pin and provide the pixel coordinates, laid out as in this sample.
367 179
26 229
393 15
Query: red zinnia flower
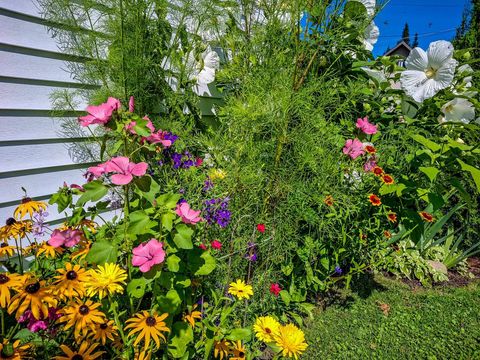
275 289
426 216
392 217
370 149
261 228
374 200
217 245
328 200
378 171
387 234
387 179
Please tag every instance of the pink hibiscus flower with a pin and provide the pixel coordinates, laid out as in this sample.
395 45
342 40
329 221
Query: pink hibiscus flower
217 245
188 215
148 254
100 114
353 148
275 289
367 127
131 104
97 171
124 170
67 238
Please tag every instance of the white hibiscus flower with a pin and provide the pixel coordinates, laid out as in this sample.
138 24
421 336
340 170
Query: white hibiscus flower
458 110
205 70
428 72
372 32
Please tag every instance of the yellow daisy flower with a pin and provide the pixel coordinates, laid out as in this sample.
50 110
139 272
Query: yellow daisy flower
291 341
191 316
6 250
83 315
106 280
4 233
33 295
265 327
240 289
28 206
221 349
49 251
8 282
70 282
238 351
105 330
85 352
148 326
13 351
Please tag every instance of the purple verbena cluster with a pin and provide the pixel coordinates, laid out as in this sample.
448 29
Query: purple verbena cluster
184 161
216 211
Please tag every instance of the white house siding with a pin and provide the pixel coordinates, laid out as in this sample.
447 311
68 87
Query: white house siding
34 152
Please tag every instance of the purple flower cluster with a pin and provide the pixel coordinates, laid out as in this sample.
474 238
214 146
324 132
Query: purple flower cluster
38 228
169 136
251 255
207 185
185 160
216 211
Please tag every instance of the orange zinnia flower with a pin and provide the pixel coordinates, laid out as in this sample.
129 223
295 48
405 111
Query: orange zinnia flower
375 200
378 171
387 179
426 216
392 217
328 200
387 234
370 149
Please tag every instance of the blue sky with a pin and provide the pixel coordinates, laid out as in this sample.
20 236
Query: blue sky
431 19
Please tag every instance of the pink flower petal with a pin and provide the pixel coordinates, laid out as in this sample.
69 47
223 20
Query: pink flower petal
121 179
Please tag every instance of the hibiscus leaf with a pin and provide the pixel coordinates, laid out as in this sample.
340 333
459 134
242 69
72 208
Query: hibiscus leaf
203 264
183 237
355 10
430 171
240 334
425 142
94 191
102 252
473 171
136 287
173 263
167 220
140 223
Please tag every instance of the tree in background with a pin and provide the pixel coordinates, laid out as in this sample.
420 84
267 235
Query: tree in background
415 41
406 34
468 33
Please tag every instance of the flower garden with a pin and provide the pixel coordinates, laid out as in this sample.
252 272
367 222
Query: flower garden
321 165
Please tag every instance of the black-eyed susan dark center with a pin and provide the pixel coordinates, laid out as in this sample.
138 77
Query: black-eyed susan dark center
10 221
83 310
77 357
104 326
26 200
33 288
4 279
268 331
4 245
150 321
71 275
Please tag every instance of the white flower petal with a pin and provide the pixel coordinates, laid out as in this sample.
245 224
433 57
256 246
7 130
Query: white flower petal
412 83
459 110
417 60
438 53
372 32
206 76
444 75
212 60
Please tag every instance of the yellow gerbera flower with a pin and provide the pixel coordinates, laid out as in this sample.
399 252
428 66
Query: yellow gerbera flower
32 294
291 340
8 282
6 250
85 352
106 280
83 315
221 349
105 330
71 281
265 327
28 206
149 326
238 351
194 314
240 289
13 351
49 251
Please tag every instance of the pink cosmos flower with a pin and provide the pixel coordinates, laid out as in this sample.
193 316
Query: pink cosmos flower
131 104
188 215
370 164
124 170
97 171
353 148
148 254
275 289
100 114
366 127
217 245
67 238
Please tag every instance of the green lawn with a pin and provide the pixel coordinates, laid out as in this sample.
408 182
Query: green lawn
441 323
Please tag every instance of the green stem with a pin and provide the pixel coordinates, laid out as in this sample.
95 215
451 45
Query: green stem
117 318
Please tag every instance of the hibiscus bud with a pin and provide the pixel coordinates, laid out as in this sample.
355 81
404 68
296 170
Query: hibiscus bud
467 56
367 107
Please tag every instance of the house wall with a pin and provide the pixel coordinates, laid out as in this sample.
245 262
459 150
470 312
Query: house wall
34 152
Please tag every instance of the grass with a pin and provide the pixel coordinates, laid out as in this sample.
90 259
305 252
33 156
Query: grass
441 323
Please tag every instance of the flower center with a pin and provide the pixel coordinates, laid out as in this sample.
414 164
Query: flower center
103 326
268 331
449 108
71 275
150 321
4 279
430 73
77 357
83 310
4 245
26 200
33 288
10 221
241 354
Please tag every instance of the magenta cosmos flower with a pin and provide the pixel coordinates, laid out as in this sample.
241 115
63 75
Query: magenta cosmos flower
100 114
217 245
148 254
353 148
188 215
124 170
366 127
68 238
131 104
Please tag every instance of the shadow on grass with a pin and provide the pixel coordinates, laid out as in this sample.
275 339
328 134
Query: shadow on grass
365 284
